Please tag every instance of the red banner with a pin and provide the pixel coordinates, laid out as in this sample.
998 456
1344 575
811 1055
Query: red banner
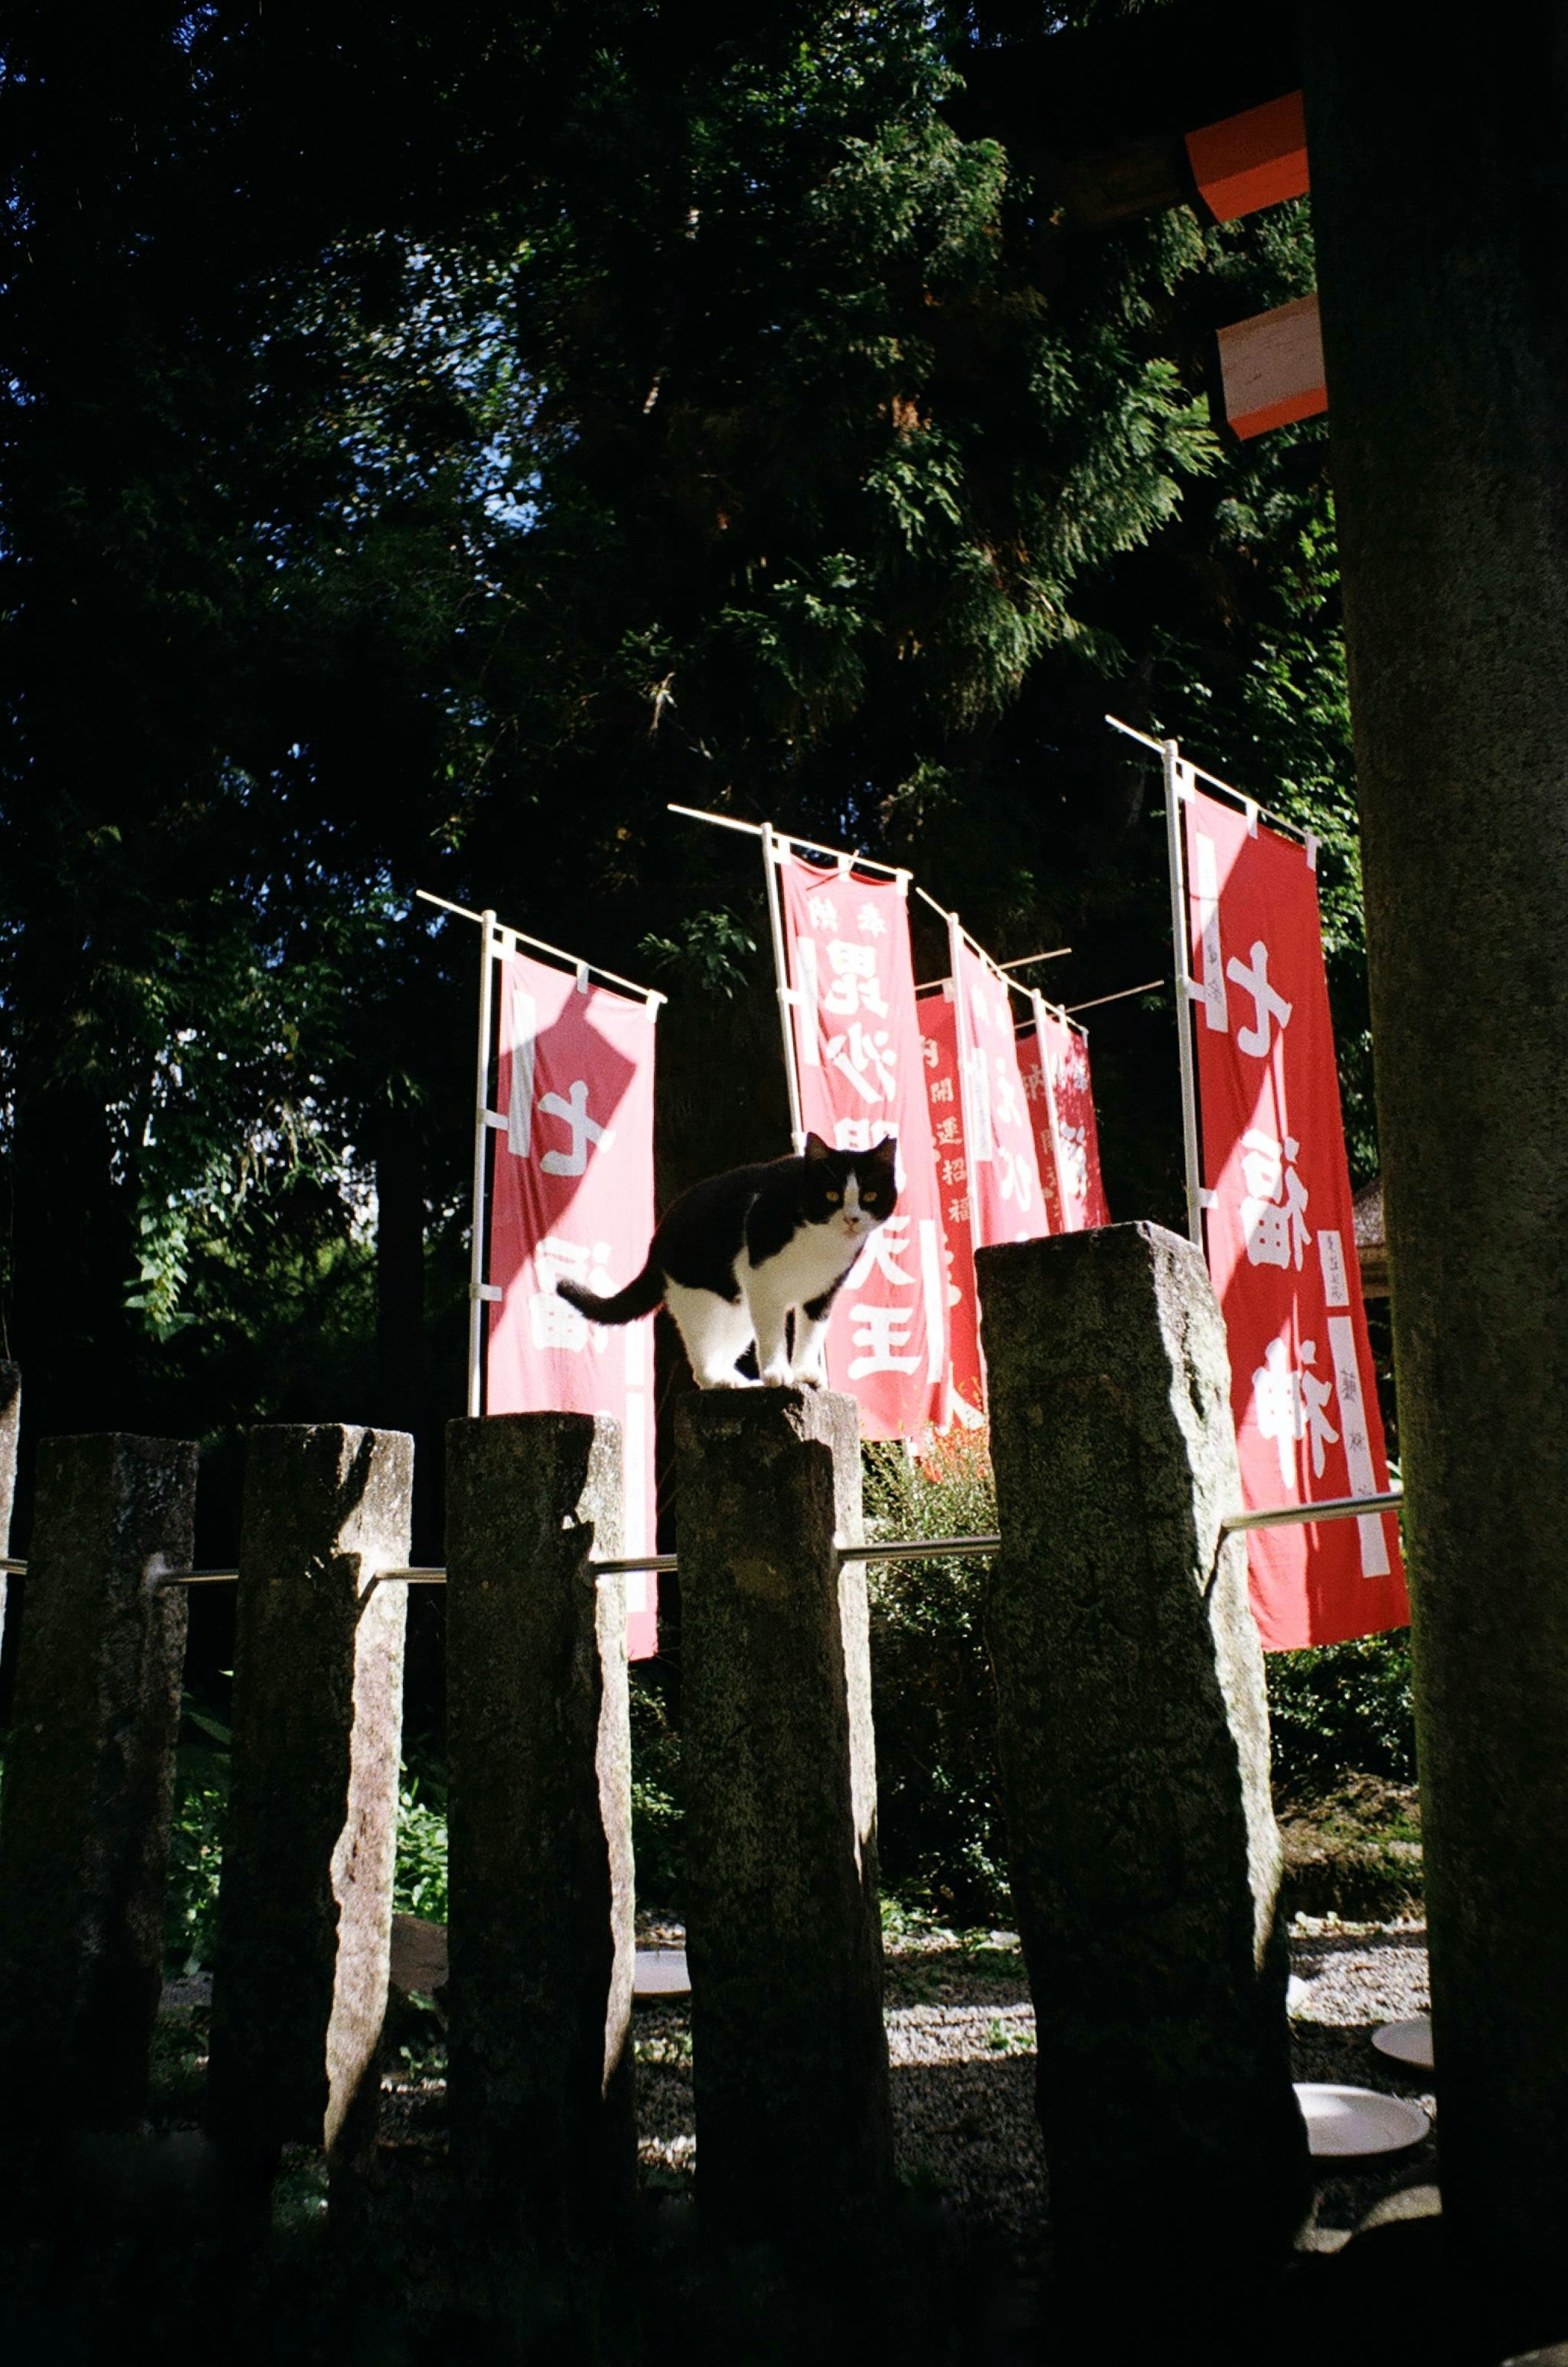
572 1199
858 1052
1067 1140
1281 1244
939 1044
1004 1175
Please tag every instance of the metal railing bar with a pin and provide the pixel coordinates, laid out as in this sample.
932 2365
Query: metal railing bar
917 1548
1333 1508
1273 1516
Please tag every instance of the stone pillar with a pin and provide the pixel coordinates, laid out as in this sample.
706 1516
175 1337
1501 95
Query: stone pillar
10 1418
1444 325
89 1778
542 1948
305 1907
1133 1740
784 1927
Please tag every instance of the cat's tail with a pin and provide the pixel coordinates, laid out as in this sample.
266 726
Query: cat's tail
639 1298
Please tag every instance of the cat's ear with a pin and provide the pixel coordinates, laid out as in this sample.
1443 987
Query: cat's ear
885 1151
817 1150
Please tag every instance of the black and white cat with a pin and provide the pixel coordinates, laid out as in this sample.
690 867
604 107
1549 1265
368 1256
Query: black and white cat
736 1256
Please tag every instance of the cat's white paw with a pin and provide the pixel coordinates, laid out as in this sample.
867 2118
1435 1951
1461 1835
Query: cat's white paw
777 1376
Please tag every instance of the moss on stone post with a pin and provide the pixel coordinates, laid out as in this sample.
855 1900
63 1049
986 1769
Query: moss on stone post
89 1779
1134 1740
783 1930
305 1904
544 2143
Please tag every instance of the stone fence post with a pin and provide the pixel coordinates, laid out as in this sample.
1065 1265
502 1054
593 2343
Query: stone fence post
305 1904
89 1779
544 2143
10 1419
1133 1743
784 1929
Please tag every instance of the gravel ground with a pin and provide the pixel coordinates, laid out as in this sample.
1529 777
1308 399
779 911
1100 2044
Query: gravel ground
961 2040
1348 1979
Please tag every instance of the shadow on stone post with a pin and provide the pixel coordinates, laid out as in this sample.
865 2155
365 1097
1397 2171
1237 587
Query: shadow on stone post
542 1946
783 1926
1133 1743
305 1903
89 1781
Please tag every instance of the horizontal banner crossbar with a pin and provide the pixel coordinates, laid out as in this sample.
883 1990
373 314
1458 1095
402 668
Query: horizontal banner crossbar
648 994
1275 821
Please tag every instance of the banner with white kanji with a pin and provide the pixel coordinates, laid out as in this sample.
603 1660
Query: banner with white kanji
1054 1060
1279 1235
857 1042
939 1047
1004 1173
571 1199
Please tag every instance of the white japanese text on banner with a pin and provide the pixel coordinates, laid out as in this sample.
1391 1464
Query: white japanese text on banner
1004 1173
1281 1242
572 1199
939 1045
862 1079
1054 1059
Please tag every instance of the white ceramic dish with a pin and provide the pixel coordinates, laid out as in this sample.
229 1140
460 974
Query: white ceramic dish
662 1973
1345 2122
1407 2041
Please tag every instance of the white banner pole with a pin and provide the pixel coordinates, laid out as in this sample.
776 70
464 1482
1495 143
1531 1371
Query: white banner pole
1053 1124
966 1097
478 1286
786 993
1171 757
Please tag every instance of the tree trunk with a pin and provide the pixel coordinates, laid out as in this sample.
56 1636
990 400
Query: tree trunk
1440 169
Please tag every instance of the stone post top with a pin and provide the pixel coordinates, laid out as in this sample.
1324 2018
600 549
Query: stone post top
765 1415
109 1443
1116 1245
1077 1302
540 1426
272 1433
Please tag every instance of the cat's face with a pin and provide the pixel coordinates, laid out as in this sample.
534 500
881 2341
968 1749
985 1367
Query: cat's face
853 1191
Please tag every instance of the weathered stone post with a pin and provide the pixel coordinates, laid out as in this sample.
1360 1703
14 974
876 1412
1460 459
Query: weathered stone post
542 1947
1445 331
305 1905
10 1419
783 1927
89 1778
1134 1740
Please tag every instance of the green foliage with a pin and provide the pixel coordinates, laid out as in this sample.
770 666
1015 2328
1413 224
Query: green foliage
658 1816
707 952
1341 1709
195 1853
420 1880
419 1884
939 1832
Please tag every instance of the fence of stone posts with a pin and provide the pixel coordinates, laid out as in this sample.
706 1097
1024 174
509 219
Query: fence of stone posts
1131 1736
